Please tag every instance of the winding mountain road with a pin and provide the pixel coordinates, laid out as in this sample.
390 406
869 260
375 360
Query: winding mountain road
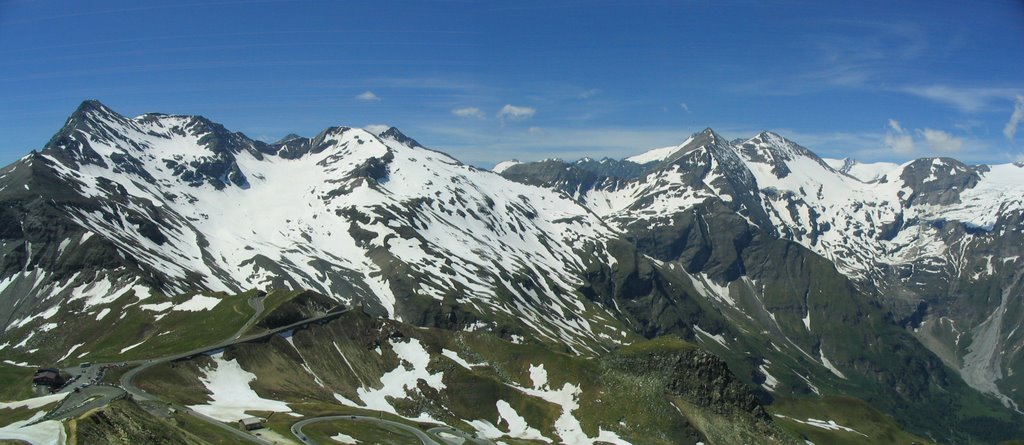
425 438
257 304
94 396
128 378
297 427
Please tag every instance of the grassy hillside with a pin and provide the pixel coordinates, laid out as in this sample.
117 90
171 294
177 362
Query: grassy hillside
630 392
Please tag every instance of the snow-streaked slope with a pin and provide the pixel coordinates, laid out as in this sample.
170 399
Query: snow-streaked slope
504 165
1000 190
859 225
701 168
358 215
866 172
658 154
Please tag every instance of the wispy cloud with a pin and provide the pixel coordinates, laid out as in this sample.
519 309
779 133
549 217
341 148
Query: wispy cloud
367 96
485 147
513 112
851 54
589 93
1010 130
897 139
939 140
966 99
470 112
685 107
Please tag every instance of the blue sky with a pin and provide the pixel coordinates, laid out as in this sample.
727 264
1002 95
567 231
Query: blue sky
486 81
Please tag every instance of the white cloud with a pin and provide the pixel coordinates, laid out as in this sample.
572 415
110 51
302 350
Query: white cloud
968 100
512 112
897 138
941 141
589 93
367 96
1010 130
535 130
685 107
473 112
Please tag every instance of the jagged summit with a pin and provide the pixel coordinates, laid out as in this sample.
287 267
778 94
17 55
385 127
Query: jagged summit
701 138
287 137
93 106
397 135
183 203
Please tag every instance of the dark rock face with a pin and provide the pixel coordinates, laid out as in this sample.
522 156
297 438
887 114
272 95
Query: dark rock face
394 133
578 178
308 304
937 181
706 381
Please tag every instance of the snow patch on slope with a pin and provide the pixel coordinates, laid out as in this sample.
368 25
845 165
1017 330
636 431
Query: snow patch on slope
567 426
50 432
198 303
230 393
505 165
657 154
399 382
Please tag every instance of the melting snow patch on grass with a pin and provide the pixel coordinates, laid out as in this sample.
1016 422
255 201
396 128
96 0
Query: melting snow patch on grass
770 382
824 424
828 364
157 307
461 361
20 364
517 426
397 383
717 337
231 395
128 348
539 376
198 303
35 402
485 429
50 432
567 426
344 438
70 351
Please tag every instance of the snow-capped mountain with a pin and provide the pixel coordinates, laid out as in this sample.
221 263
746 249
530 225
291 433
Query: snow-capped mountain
805 278
937 241
866 172
178 203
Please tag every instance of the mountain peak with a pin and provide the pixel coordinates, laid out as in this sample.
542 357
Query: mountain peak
93 105
286 138
93 108
394 133
711 135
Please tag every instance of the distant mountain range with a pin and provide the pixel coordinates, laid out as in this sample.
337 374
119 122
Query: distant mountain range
897 284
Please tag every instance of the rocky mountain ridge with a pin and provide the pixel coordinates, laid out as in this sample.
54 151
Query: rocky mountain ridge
807 281
935 240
